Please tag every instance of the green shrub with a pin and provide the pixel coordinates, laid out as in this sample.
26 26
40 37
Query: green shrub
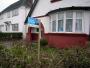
76 58
43 42
10 36
20 56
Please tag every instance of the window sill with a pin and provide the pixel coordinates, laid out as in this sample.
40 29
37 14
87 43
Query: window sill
68 32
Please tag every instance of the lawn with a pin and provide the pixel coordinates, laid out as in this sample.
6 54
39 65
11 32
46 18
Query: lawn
24 55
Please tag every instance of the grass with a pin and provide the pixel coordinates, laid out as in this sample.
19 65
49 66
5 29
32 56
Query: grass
24 55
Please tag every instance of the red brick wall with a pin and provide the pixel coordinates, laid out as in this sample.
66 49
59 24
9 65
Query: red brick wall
62 40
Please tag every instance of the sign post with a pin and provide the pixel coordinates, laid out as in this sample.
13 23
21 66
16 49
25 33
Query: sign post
33 22
39 37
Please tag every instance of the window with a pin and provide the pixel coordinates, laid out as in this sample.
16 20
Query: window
1 26
78 27
1 17
60 22
15 12
53 21
54 26
14 27
55 0
7 27
8 15
69 21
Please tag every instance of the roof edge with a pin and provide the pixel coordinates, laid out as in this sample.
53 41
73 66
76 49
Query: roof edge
70 8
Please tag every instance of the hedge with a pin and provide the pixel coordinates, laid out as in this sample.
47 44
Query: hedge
10 36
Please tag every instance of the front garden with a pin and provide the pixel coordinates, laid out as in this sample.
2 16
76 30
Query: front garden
24 55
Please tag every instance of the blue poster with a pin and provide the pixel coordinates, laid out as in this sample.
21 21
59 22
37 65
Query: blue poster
33 21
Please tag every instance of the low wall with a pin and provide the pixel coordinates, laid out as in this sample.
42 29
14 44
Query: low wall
63 40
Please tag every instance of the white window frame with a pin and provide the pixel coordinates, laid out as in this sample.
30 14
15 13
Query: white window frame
64 25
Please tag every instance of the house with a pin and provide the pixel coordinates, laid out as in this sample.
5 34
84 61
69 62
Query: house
12 18
65 23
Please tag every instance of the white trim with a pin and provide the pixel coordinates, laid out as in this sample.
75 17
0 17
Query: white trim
68 32
30 25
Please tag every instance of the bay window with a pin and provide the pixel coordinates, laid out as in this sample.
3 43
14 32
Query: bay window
69 21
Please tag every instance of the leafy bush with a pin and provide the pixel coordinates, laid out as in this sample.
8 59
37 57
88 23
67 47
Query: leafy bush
76 58
4 57
10 36
43 42
22 56
15 57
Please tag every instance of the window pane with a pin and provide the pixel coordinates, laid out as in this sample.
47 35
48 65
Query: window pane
79 15
1 28
69 15
60 25
8 14
60 21
7 27
69 25
53 17
53 22
15 12
14 27
54 26
60 16
1 17
79 25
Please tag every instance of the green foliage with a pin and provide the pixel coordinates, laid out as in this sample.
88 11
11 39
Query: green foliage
76 58
10 36
4 57
16 57
22 56
43 42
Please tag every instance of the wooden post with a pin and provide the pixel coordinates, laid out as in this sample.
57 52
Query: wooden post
39 37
